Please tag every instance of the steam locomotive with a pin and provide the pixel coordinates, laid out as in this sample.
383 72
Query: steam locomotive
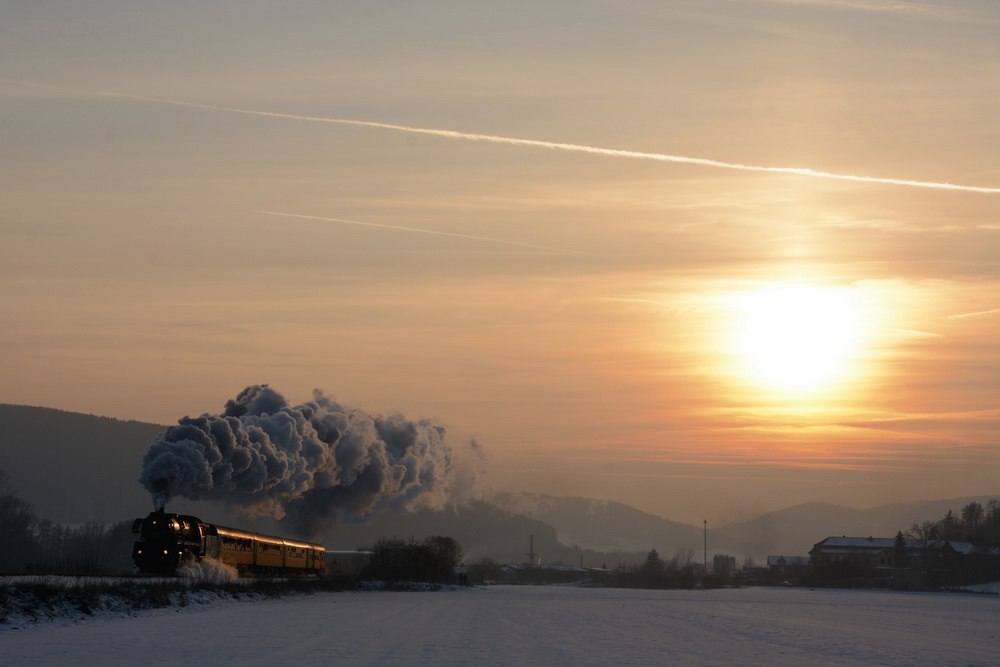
167 541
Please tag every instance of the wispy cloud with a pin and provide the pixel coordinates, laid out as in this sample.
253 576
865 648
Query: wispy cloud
981 313
912 333
424 231
534 143
929 10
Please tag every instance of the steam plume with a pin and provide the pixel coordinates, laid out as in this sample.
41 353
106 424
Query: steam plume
304 464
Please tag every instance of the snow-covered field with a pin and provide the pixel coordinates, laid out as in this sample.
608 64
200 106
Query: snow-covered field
517 625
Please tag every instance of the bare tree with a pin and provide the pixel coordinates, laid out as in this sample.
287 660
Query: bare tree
972 517
17 543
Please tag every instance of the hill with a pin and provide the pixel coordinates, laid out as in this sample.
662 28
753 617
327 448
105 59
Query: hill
75 468
483 530
794 530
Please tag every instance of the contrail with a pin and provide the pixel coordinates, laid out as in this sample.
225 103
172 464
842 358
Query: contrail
611 152
423 231
980 313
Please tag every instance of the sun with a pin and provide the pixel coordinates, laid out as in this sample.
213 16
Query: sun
795 337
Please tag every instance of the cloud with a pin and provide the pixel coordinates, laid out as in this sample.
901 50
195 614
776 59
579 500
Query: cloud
535 143
423 231
981 313
912 333
928 10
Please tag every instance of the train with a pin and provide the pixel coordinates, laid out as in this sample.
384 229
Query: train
169 541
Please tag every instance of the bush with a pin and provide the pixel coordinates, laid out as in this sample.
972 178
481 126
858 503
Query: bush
431 561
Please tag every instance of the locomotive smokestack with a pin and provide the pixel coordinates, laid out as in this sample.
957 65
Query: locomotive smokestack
160 497
262 457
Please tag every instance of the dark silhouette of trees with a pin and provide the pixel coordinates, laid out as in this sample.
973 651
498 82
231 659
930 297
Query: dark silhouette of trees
949 527
972 517
928 552
899 550
991 522
17 543
975 523
654 572
433 561
33 544
92 547
485 569
652 569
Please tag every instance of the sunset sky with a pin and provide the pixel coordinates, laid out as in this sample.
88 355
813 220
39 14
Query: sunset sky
633 296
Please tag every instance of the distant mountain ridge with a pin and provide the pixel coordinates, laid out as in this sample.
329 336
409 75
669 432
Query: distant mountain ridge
794 530
602 525
74 467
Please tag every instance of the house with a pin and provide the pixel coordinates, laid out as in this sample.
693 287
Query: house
860 551
881 552
787 566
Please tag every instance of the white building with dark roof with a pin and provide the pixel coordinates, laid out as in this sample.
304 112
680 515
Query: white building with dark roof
881 551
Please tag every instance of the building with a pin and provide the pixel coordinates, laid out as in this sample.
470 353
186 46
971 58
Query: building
787 566
860 551
724 566
551 574
883 552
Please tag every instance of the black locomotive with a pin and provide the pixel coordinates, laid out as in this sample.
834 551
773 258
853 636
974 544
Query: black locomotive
167 541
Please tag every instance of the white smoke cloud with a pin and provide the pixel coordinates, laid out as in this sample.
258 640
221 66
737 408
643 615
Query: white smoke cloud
305 464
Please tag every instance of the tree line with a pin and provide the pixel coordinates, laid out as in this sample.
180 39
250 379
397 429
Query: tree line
434 560
33 544
680 571
975 523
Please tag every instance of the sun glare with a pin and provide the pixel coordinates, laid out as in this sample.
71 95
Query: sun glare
801 338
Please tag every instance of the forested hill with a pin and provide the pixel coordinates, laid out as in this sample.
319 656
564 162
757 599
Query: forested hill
74 467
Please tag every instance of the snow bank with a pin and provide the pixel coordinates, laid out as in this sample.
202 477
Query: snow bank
538 625
989 589
26 600
209 570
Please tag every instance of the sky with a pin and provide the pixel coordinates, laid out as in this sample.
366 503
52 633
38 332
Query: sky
705 257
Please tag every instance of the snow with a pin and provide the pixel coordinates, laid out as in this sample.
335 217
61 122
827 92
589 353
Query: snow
537 625
992 588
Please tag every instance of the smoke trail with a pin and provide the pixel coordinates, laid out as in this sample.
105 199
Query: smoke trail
981 313
303 464
452 134
423 231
